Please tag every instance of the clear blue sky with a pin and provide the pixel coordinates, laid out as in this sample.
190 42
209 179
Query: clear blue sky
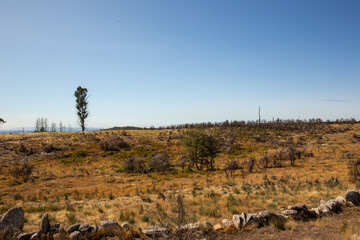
163 62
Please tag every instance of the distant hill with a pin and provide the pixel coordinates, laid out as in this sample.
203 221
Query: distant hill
125 128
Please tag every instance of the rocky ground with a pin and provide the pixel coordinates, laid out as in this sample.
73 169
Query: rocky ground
334 219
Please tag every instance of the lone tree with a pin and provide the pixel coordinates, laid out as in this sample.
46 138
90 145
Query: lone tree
82 105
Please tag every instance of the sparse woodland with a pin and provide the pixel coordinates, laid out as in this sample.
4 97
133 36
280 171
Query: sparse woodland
182 174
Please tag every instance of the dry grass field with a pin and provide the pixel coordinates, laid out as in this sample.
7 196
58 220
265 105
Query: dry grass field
74 179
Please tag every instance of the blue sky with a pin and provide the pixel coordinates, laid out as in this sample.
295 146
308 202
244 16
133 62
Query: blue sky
166 62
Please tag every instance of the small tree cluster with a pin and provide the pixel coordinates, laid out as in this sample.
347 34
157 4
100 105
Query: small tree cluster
202 148
41 125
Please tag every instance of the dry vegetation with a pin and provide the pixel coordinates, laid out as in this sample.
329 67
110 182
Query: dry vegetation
115 174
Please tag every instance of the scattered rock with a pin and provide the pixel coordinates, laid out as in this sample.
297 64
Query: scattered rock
289 212
237 221
83 227
317 211
55 228
76 235
13 218
109 228
35 236
226 222
23 236
206 227
298 207
91 231
329 207
45 224
125 225
353 196
340 200
73 227
248 219
156 232
191 226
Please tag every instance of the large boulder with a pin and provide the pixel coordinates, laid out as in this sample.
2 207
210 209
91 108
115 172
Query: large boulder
353 196
45 224
109 228
13 218
156 232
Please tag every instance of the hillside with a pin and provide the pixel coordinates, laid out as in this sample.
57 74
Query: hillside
81 177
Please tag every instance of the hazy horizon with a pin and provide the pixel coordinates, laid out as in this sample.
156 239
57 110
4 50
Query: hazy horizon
159 63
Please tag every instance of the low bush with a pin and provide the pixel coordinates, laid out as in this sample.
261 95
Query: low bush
113 143
22 172
134 164
159 162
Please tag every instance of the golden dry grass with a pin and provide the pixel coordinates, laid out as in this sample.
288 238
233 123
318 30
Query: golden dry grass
72 186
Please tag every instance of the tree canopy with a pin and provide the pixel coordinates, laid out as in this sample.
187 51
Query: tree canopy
82 106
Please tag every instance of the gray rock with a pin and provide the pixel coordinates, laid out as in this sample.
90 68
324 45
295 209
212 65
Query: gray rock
55 228
13 218
45 224
248 219
340 200
191 226
264 214
83 227
76 235
330 207
237 221
226 222
23 236
289 212
73 227
35 236
298 207
206 227
156 232
109 227
125 225
317 211
353 196
91 231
